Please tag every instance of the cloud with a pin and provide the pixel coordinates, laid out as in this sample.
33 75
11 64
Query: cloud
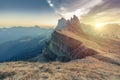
50 3
107 12
68 8
107 5
89 11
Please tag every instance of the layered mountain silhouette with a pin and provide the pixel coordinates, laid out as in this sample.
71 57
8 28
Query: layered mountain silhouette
22 43
85 56
108 31
67 42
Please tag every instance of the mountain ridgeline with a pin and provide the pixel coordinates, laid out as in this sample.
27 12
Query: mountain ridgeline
68 52
67 43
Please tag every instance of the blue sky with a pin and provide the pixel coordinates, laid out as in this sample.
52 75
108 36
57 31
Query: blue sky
46 13
26 13
25 5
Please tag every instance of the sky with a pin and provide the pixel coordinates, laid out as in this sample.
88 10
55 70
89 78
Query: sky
92 12
46 13
27 13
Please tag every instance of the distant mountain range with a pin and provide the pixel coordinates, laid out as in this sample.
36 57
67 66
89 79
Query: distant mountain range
110 31
22 43
14 33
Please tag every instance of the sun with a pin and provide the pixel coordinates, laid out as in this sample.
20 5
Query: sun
98 25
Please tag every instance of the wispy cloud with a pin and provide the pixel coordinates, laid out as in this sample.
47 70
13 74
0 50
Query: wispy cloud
68 8
106 13
88 10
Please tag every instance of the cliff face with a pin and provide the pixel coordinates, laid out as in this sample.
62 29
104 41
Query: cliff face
69 42
66 42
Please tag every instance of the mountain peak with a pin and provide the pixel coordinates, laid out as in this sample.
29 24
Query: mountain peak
61 24
75 18
72 25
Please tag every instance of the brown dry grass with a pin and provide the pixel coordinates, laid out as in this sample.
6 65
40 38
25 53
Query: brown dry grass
85 69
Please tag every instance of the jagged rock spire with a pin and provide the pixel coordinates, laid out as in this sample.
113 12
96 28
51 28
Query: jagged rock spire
75 19
61 23
72 25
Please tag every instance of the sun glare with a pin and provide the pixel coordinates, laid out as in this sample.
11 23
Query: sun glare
99 26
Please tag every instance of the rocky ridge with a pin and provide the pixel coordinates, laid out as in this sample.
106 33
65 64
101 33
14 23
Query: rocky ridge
67 43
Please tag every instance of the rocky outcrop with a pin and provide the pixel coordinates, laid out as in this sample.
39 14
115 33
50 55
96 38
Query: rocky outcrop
73 25
66 42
